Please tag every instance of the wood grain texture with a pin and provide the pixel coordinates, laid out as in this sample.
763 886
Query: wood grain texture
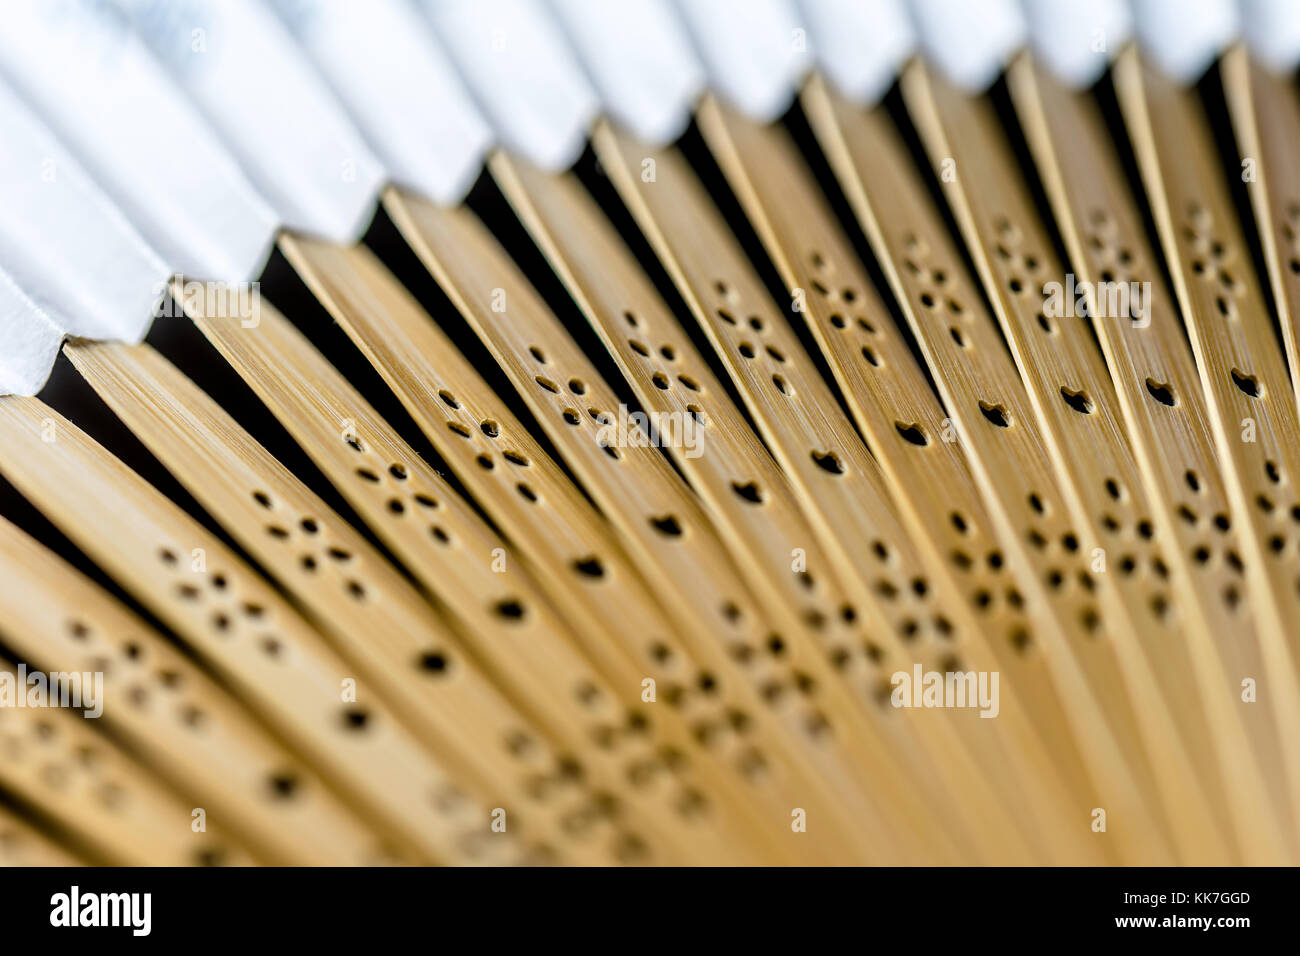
848 503
1265 111
1068 673
504 618
635 490
902 420
247 633
1074 402
178 720
379 623
1242 372
610 286
650 348
1160 399
571 548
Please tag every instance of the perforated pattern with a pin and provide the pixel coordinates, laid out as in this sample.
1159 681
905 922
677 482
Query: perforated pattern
570 549
240 626
1265 111
380 623
982 392
796 413
1116 504
54 761
696 562
1167 421
508 622
1033 501
840 484
1241 370
1258 393
769 672
889 397
173 714
1077 408
502 456
1055 353
659 516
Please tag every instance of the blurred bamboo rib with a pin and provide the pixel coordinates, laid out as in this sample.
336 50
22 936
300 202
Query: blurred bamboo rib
835 478
458 251
377 620
1265 111
187 729
888 398
982 393
504 618
1242 370
240 625
564 219
553 524
754 459
54 762
1073 400
611 287
1167 421
22 844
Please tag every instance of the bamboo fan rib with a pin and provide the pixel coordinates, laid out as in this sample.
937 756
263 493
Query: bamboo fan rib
192 733
582 245
240 625
612 288
839 484
1265 111
1242 371
504 618
22 844
378 621
1168 426
567 542
55 763
890 401
1073 399
982 393
619 300
439 236
661 603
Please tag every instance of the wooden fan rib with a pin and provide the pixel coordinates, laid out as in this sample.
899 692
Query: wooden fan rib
807 614
626 311
1265 111
56 763
244 630
176 717
884 388
1241 370
529 651
736 313
1074 402
608 283
610 287
378 622
22 844
851 509
1168 426
632 490
569 547
890 400
1072 683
